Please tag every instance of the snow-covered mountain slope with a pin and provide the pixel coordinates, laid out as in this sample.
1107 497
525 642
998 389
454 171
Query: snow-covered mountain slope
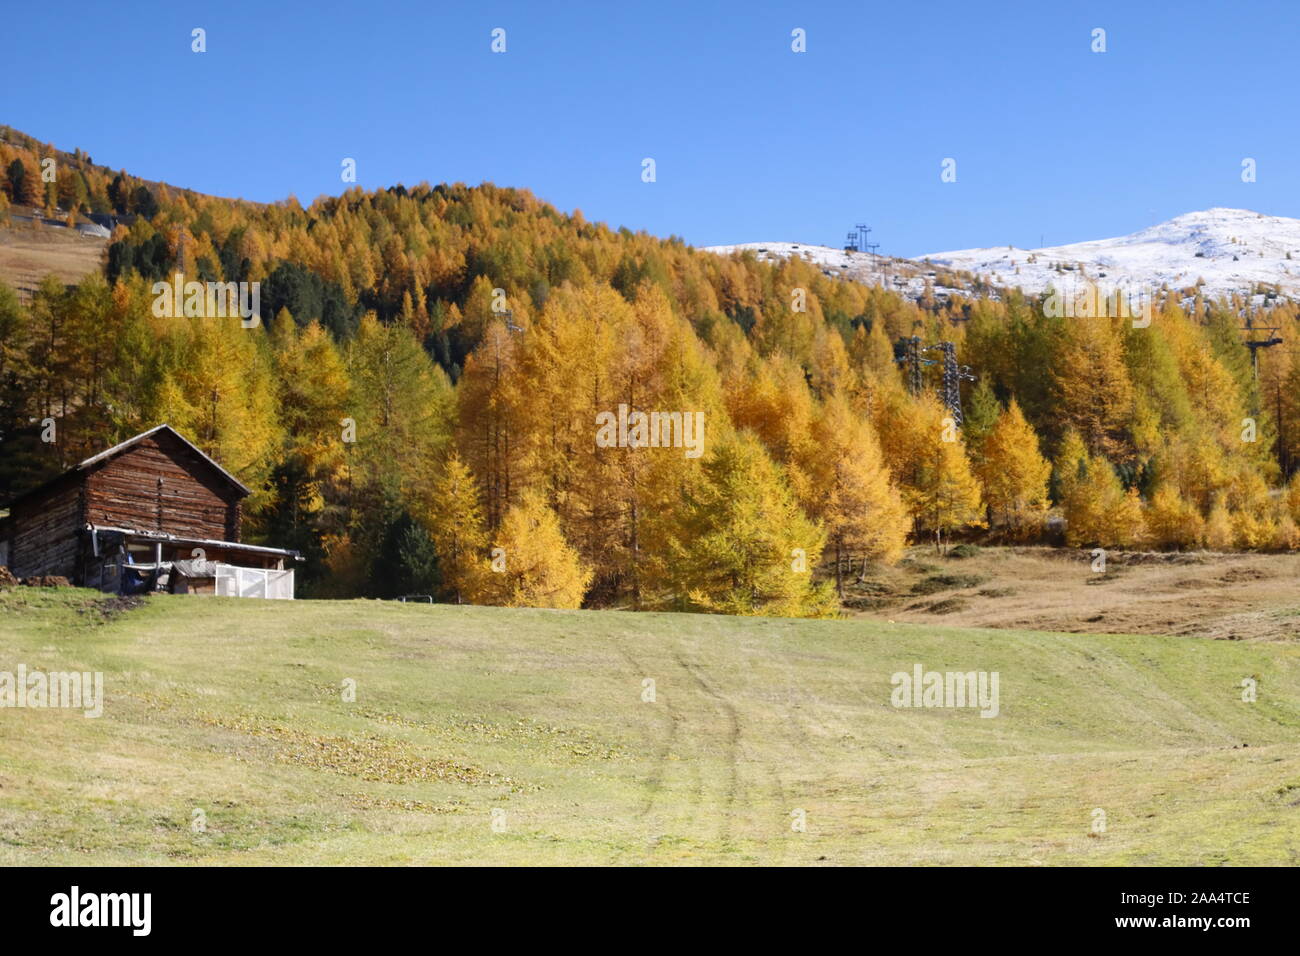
1232 250
904 276
1227 251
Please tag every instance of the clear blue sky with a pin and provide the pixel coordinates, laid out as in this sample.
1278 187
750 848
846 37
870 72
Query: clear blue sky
752 141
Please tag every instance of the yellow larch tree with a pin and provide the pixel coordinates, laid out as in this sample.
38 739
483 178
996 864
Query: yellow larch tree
1171 520
456 525
1098 511
531 564
743 545
924 448
217 392
1094 391
850 491
1014 473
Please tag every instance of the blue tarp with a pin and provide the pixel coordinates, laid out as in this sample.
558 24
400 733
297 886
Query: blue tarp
139 580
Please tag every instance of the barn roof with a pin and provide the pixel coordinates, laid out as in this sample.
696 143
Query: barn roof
123 446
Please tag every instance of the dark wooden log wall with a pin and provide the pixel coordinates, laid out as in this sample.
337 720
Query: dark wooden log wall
160 484
44 530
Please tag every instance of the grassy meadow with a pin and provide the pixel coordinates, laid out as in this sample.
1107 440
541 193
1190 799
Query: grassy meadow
236 709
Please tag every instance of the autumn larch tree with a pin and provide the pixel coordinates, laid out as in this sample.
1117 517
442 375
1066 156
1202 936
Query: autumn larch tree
537 566
1014 473
1094 391
456 524
744 546
850 491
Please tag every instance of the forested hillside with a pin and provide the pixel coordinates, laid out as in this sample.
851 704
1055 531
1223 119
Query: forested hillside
418 409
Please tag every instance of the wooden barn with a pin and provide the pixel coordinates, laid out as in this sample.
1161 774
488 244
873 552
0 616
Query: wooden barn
153 513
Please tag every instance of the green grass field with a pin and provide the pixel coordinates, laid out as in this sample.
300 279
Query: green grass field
235 708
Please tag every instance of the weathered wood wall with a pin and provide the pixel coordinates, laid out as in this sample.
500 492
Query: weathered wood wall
44 530
160 484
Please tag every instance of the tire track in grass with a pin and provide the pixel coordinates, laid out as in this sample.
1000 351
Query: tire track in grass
782 808
771 821
732 741
663 750
795 728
